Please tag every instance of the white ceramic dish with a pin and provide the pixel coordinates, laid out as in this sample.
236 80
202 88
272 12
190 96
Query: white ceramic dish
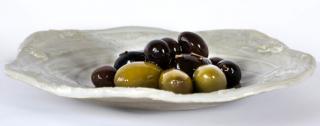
61 63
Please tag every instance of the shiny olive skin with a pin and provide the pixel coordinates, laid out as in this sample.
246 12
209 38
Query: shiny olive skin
188 63
128 56
175 49
174 46
215 60
138 74
208 78
205 60
103 76
176 81
232 72
158 52
191 42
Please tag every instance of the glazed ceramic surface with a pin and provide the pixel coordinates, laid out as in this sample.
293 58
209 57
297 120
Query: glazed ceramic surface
61 62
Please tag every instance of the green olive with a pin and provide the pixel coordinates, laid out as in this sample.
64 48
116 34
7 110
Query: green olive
138 74
176 81
209 78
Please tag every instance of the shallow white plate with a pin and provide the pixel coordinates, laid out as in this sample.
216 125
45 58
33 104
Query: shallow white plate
61 62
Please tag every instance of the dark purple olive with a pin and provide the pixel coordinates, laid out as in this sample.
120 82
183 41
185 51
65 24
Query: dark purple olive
174 46
158 52
205 60
191 42
215 60
103 76
188 63
175 49
128 56
232 72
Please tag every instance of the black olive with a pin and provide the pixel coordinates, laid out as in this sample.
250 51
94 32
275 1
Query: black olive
158 52
129 56
205 60
215 60
188 63
175 49
103 76
174 46
232 72
191 42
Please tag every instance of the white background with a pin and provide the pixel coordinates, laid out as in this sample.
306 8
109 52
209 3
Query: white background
296 23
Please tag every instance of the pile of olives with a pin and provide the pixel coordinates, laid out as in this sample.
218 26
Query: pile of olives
180 66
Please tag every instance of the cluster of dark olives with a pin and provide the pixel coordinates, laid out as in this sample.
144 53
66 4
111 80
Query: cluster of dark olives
180 66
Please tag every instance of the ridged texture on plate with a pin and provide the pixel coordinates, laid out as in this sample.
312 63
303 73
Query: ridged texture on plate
61 62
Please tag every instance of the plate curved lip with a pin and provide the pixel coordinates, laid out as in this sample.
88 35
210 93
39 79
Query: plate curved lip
153 94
